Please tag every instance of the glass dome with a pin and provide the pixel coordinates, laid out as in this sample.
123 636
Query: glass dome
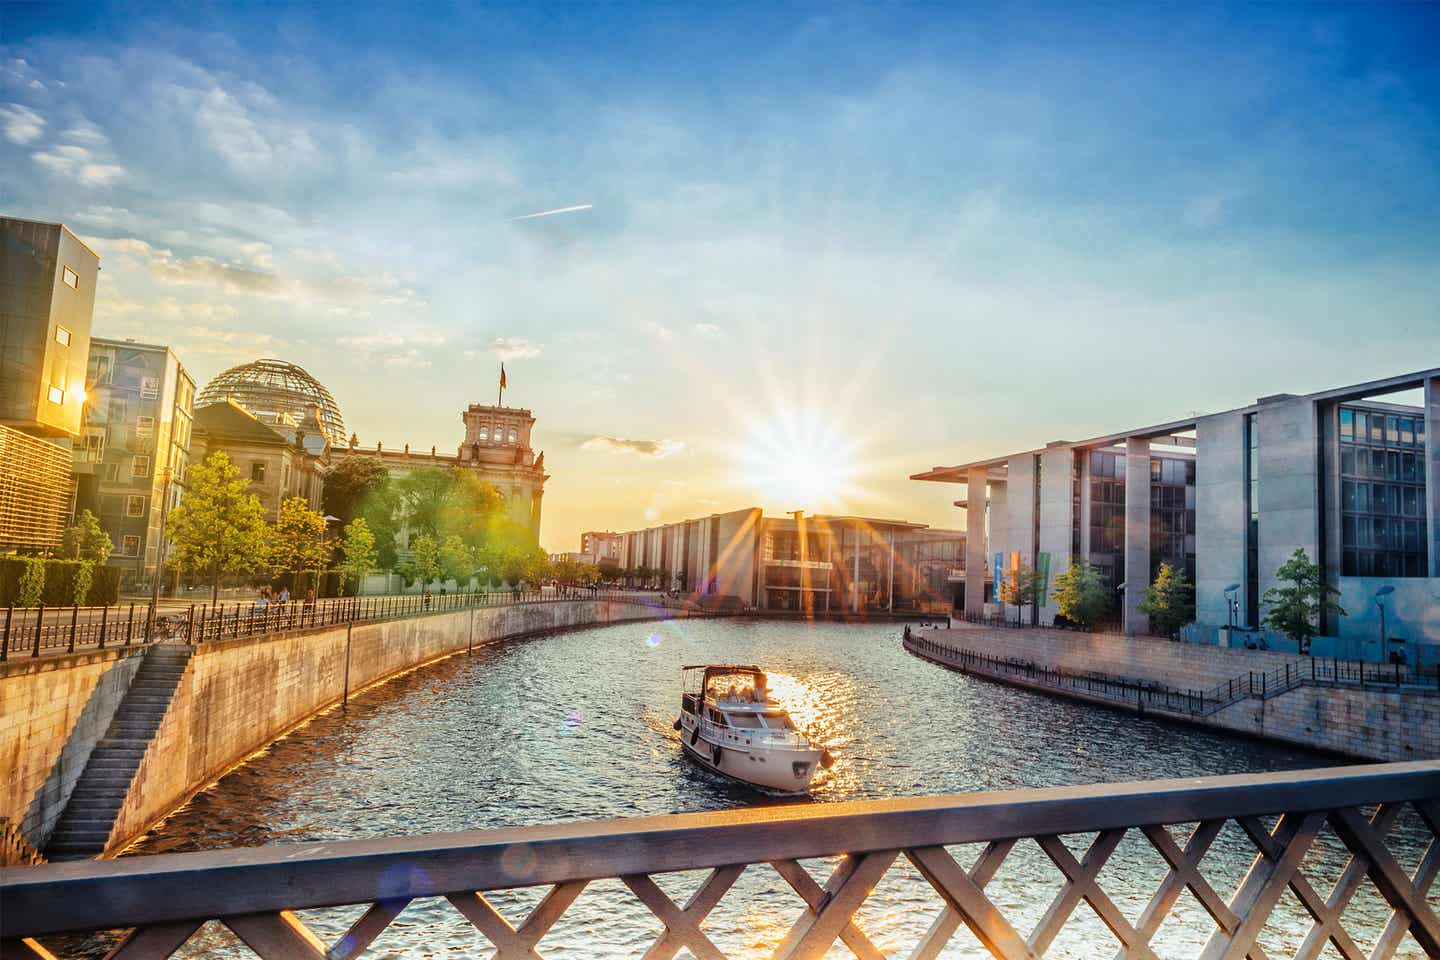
270 387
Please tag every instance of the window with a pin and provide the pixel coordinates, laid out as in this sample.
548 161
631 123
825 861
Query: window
149 388
130 546
56 395
257 471
513 435
62 336
144 427
71 278
1347 424
485 434
134 506
140 467
94 446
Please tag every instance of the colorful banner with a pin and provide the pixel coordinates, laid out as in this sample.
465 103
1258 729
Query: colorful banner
997 572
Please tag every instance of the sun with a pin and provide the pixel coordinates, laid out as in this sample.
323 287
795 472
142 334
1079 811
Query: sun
799 459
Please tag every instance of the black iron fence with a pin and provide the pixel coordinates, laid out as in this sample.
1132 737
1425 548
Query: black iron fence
1152 694
38 631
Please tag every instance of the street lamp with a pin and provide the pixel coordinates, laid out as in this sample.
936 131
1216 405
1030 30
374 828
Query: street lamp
329 519
1380 596
1232 604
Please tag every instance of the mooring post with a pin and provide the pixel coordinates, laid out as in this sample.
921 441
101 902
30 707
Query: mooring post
345 695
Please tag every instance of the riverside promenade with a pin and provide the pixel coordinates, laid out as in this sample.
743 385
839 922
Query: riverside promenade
1365 710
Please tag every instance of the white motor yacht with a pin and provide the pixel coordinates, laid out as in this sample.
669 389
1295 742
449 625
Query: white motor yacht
729 724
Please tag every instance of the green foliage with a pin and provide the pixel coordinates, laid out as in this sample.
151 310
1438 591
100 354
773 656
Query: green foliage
360 487
1081 595
1296 607
85 540
32 582
104 586
84 577
1169 601
424 564
219 526
1020 587
457 561
357 551
297 540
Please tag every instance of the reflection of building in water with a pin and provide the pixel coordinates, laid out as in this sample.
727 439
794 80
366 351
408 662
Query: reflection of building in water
496 448
819 564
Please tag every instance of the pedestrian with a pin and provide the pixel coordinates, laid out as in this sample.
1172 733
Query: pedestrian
264 599
310 597
284 595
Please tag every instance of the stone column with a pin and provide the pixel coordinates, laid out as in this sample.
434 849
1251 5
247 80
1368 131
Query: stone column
1137 533
975 542
1432 471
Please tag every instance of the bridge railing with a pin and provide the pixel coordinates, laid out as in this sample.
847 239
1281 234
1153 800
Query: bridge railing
38 631
160 902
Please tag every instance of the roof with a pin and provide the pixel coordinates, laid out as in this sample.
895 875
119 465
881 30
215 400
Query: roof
736 667
230 420
1167 433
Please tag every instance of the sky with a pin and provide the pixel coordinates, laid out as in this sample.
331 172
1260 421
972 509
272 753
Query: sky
826 246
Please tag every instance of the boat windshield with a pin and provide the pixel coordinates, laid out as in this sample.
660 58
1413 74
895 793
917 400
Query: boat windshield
748 721
777 721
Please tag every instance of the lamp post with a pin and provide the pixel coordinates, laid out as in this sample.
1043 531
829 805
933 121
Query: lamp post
1380 596
160 548
324 538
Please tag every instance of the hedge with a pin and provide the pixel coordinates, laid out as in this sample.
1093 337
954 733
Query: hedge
26 581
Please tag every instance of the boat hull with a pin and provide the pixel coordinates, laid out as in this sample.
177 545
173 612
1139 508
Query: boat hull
784 770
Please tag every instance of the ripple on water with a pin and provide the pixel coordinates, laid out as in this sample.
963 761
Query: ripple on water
578 726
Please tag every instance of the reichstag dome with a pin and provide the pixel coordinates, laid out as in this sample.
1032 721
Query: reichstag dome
269 388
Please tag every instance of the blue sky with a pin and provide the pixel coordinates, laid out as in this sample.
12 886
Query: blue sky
894 236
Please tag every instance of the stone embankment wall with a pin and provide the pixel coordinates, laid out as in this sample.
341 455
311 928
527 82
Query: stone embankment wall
239 695
1372 723
53 710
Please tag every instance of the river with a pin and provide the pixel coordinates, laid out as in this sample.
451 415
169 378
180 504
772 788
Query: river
578 726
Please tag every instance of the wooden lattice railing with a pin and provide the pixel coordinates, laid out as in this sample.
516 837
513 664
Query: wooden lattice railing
162 901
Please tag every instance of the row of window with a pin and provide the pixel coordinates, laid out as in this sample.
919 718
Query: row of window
1376 563
1387 499
1358 426
1383 533
499 435
1175 472
1382 464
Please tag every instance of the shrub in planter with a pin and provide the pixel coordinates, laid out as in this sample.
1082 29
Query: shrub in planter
32 582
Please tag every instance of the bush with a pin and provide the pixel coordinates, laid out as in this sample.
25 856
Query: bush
104 586
59 585
32 582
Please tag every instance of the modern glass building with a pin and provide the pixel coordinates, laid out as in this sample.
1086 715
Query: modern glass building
1347 475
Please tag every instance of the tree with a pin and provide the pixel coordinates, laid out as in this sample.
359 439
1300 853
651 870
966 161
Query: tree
297 541
457 561
359 486
219 526
1297 606
1081 595
1020 588
424 495
358 552
1169 601
424 565
85 540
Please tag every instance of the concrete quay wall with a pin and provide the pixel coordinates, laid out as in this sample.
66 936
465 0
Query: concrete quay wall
53 710
237 696
1372 723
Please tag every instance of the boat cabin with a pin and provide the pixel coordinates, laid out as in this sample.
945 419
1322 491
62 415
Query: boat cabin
732 696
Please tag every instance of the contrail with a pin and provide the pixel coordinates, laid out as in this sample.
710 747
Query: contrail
550 213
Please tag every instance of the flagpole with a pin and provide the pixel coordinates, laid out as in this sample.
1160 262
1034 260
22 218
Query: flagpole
500 391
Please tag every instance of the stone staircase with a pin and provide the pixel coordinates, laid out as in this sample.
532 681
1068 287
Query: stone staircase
85 825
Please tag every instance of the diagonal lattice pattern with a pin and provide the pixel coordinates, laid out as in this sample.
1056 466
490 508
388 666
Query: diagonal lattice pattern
826 918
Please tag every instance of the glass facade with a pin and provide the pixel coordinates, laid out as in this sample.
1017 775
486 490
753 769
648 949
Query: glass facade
1382 493
1172 515
1107 515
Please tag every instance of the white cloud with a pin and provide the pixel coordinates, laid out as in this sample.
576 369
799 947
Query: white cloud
658 449
409 358
20 124
658 331
709 331
68 159
514 348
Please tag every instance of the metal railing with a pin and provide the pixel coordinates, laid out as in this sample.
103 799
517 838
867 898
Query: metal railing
1353 815
1199 702
38 631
